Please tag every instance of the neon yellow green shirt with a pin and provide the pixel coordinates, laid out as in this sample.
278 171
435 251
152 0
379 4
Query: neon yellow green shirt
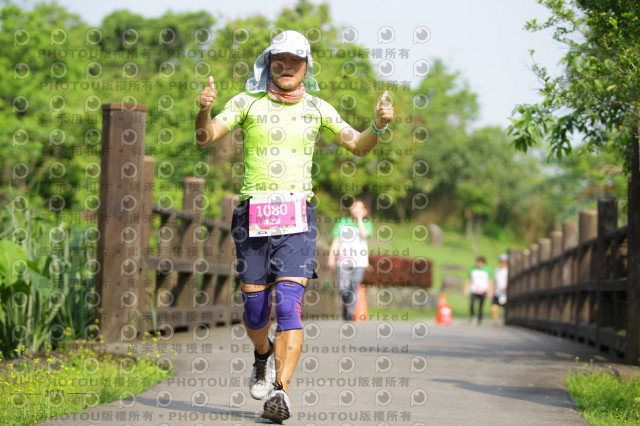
278 140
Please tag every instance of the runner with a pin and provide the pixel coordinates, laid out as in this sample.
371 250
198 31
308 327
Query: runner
349 255
479 284
500 278
275 249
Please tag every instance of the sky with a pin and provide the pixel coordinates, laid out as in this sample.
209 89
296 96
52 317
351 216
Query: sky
483 40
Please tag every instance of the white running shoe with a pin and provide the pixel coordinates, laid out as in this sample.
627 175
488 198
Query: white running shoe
277 407
263 376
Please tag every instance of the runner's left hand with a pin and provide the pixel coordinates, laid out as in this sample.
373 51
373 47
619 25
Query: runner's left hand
384 111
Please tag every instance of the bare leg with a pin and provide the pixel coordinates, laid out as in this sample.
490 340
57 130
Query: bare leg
287 347
259 337
495 314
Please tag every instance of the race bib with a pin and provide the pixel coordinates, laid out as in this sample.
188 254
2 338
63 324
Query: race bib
277 213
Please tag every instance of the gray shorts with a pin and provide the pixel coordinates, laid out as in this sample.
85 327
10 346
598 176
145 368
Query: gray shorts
349 279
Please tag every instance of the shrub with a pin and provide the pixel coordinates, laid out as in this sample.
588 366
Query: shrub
398 271
46 283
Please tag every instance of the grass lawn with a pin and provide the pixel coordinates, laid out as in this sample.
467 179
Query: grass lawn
457 250
51 384
605 398
459 305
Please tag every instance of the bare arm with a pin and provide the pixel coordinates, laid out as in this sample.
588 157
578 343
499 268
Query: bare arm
363 229
361 143
333 253
357 143
492 288
358 212
208 131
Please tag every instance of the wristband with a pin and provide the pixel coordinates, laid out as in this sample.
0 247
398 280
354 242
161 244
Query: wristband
374 130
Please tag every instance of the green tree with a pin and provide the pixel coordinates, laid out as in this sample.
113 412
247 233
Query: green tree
63 70
597 97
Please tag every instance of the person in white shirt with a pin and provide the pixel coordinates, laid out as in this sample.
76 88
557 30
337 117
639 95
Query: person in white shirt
349 255
479 285
500 277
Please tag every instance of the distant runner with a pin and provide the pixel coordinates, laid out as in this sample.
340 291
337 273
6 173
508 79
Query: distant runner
479 285
500 278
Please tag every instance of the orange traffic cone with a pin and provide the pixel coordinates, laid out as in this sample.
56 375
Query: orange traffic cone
444 315
360 314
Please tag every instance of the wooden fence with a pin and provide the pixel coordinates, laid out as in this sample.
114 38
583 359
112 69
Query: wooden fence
189 273
574 284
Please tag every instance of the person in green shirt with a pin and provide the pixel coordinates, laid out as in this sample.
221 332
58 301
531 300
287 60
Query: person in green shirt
349 255
479 284
274 227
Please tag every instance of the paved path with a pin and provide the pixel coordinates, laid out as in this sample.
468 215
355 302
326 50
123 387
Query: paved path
374 373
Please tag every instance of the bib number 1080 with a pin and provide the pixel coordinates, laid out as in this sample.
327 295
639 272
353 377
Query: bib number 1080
272 209
269 217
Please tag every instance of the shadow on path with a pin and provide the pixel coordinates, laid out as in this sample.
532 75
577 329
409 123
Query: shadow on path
509 345
548 396
181 406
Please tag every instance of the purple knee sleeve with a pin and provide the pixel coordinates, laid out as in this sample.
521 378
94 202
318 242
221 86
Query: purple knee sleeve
257 308
288 298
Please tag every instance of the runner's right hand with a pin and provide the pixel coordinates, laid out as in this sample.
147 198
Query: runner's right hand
331 263
208 95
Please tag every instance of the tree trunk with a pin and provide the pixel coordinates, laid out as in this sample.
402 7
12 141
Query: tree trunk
478 221
401 210
6 174
633 261
469 219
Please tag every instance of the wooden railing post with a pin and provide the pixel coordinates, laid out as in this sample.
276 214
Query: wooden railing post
226 256
527 259
534 281
588 229
514 308
542 302
556 243
117 282
555 304
588 225
168 278
146 284
569 241
556 251
535 254
190 247
568 273
534 260
607 222
210 254
569 235
512 265
526 267
518 265
544 254
633 259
